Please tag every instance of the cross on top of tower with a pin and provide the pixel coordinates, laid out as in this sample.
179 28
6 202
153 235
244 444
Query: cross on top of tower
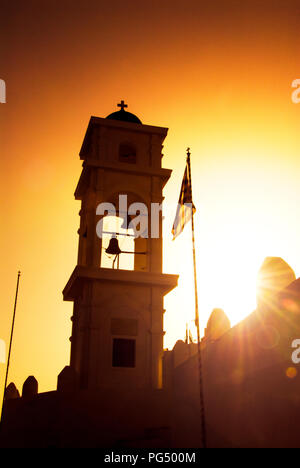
122 105
123 115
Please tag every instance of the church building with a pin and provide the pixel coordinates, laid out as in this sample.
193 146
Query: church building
121 388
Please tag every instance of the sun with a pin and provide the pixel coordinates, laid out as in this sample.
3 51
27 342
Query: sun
225 280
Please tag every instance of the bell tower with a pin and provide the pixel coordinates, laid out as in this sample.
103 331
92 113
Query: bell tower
117 322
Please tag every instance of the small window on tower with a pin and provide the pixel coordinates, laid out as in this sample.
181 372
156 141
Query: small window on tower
127 153
123 353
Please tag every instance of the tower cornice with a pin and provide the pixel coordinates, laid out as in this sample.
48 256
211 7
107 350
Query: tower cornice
165 282
120 125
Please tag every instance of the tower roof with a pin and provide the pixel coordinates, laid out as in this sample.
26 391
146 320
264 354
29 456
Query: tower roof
123 115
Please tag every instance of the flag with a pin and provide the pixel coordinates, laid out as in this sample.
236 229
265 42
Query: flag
185 205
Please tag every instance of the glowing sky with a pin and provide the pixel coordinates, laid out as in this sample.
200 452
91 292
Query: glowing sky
218 76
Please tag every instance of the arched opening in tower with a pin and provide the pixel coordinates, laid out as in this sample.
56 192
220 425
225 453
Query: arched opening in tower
112 229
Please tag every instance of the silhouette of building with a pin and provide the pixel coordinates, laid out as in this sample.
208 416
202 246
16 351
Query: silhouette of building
117 333
218 324
121 389
273 276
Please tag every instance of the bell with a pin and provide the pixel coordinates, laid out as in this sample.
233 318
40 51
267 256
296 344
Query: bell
113 247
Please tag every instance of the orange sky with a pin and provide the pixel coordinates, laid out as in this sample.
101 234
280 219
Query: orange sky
218 76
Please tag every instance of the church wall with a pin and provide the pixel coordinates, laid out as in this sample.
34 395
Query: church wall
104 418
249 399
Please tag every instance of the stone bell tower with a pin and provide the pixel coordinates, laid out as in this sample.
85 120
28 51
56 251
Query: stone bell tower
117 330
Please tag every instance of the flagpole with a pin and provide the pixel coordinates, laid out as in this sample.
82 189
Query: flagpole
202 410
10 342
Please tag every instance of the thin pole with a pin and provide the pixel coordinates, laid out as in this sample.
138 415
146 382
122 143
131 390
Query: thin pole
10 341
202 410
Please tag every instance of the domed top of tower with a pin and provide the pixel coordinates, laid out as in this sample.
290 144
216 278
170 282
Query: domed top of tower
123 115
